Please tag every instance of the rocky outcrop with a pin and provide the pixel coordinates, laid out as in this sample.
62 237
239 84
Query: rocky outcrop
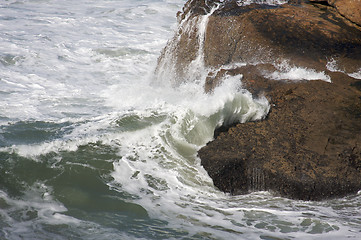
309 146
308 35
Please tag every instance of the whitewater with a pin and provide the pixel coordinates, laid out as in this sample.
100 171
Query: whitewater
94 144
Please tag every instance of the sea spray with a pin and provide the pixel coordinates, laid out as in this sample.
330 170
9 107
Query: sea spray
169 65
166 68
175 174
114 154
195 71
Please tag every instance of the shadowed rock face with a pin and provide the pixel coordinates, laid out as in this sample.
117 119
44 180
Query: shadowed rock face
309 146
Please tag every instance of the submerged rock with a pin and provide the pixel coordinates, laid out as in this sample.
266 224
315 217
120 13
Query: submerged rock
309 146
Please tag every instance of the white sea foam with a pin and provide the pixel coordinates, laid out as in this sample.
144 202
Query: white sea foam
356 75
35 208
287 72
268 2
333 66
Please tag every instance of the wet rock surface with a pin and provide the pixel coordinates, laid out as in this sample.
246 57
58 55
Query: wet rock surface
309 145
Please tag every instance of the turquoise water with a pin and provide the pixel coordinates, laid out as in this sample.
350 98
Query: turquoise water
94 145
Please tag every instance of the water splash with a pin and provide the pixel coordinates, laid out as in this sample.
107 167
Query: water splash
136 146
170 67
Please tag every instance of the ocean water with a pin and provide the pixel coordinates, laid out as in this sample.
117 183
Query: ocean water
95 145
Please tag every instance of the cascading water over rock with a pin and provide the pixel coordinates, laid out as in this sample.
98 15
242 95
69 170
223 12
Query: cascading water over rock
191 32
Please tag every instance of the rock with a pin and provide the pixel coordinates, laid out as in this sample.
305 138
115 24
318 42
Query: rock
306 35
309 146
350 9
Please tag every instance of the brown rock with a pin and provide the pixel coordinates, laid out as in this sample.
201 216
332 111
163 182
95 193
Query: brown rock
305 34
309 146
350 9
